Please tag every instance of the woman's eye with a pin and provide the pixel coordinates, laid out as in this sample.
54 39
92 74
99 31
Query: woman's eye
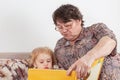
67 25
59 27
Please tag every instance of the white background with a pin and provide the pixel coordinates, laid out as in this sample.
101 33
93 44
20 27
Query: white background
26 24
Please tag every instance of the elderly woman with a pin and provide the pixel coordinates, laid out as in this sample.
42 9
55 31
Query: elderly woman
81 46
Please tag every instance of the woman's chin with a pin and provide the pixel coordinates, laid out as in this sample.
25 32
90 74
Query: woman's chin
69 38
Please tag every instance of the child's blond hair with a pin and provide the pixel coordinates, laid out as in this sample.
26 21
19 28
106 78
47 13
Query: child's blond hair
42 50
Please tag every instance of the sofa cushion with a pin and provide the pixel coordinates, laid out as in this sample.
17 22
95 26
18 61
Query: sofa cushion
13 69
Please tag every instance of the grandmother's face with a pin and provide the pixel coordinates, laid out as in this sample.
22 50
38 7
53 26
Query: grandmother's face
69 30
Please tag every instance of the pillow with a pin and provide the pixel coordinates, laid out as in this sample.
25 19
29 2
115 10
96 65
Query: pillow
13 69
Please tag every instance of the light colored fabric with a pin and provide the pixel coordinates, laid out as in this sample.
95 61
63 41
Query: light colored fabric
13 69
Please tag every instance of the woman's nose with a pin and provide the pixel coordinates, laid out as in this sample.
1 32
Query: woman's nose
64 29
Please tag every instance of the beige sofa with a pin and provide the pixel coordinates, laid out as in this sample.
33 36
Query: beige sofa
14 66
14 55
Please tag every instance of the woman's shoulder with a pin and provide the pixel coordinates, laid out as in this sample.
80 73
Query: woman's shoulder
97 25
60 43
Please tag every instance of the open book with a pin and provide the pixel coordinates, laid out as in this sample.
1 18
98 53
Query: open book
38 74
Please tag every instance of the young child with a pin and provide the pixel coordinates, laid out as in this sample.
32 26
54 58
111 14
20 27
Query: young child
42 58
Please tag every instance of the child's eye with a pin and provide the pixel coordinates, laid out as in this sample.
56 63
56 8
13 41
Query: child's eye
41 62
49 61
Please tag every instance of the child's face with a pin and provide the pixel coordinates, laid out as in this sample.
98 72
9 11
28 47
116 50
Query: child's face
43 61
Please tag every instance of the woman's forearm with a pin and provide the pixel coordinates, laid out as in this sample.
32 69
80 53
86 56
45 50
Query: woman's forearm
103 48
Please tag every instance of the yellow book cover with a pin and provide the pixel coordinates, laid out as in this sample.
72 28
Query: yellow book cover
47 74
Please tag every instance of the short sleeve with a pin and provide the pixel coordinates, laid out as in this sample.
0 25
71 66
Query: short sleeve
99 30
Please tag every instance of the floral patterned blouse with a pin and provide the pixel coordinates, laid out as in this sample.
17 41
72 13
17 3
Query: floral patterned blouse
67 54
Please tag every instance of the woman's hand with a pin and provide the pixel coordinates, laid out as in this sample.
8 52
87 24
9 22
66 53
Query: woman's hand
81 66
103 48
